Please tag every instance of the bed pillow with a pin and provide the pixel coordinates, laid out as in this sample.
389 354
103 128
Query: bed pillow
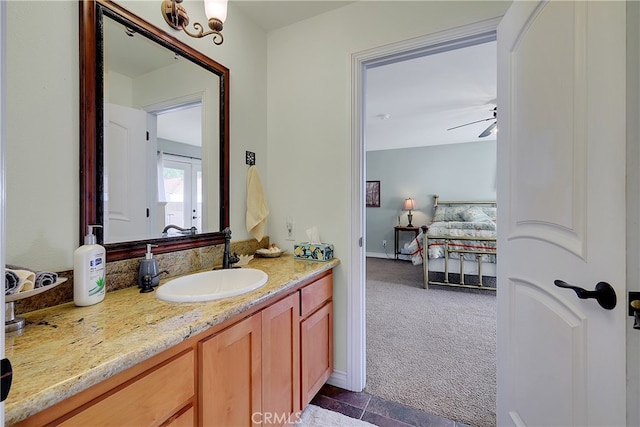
449 213
475 214
491 211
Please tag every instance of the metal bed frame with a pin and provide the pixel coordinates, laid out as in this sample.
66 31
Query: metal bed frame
447 238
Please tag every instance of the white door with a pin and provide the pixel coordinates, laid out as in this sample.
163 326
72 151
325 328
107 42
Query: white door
125 164
561 193
2 170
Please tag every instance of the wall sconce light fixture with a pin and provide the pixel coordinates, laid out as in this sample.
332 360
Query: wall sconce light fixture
176 16
409 205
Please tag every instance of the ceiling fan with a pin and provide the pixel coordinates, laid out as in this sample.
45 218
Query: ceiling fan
488 130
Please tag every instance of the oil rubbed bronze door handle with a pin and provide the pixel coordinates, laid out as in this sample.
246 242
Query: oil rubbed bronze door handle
6 377
604 293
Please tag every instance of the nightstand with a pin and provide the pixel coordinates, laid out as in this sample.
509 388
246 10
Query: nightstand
398 229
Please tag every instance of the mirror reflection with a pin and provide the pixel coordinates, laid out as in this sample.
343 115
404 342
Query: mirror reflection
161 162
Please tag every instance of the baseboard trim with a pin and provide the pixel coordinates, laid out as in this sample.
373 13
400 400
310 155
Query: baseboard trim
379 255
339 379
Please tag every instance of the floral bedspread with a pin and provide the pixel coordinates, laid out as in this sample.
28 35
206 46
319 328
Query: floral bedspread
452 229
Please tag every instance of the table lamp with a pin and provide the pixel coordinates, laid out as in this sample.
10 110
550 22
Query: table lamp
409 205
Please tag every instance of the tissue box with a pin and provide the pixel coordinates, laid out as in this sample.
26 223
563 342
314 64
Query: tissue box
313 252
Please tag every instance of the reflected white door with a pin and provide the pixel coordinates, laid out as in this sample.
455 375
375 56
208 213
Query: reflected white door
125 163
561 188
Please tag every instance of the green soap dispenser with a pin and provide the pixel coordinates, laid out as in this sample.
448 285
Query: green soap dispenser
149 266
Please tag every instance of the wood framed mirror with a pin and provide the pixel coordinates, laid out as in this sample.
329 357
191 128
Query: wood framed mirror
95 194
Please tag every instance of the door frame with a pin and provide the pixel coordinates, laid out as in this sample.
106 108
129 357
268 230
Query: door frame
360 61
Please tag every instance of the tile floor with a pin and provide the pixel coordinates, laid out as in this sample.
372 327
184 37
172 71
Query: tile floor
377 411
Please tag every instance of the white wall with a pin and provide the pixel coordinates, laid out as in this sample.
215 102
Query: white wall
118 89
309 117
43 107
42 134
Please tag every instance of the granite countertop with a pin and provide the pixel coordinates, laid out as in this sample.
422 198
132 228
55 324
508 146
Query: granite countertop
65 349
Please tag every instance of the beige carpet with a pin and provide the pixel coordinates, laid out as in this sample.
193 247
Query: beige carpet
314 416
434 349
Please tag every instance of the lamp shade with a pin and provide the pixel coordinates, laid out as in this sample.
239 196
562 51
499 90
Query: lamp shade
409 205
216 9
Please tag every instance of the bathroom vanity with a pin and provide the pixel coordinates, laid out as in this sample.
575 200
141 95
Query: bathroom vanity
254 359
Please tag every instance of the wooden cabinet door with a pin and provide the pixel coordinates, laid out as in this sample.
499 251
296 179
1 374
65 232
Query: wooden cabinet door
281 361
230 387
316 336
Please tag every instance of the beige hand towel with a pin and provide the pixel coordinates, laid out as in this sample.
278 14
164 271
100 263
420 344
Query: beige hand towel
257 209
26 279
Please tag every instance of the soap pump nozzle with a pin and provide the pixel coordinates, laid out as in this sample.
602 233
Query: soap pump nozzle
149 255
90 238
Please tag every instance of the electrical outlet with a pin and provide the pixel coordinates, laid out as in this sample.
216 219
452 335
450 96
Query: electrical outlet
384 243
289 225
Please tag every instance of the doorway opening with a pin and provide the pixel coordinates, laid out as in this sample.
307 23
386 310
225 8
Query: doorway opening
182 178
363 63
179 167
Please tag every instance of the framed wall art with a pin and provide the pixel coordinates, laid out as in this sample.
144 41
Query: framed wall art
373 194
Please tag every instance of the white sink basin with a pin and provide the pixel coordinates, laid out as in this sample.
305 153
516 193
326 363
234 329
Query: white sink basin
211 285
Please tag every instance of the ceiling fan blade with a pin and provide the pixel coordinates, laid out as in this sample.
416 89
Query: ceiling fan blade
471 123
488 130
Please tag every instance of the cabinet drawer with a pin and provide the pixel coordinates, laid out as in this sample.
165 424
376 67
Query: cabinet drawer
315 294
147 400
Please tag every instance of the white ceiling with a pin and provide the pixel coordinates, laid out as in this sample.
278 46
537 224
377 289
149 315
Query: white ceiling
182 125
412 103
271 15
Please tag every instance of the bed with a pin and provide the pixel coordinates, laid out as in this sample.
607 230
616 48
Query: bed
461 245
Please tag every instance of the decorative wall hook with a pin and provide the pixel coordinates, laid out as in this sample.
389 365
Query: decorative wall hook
250 158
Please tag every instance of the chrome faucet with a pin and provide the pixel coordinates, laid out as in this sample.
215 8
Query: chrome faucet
227 258
192 230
